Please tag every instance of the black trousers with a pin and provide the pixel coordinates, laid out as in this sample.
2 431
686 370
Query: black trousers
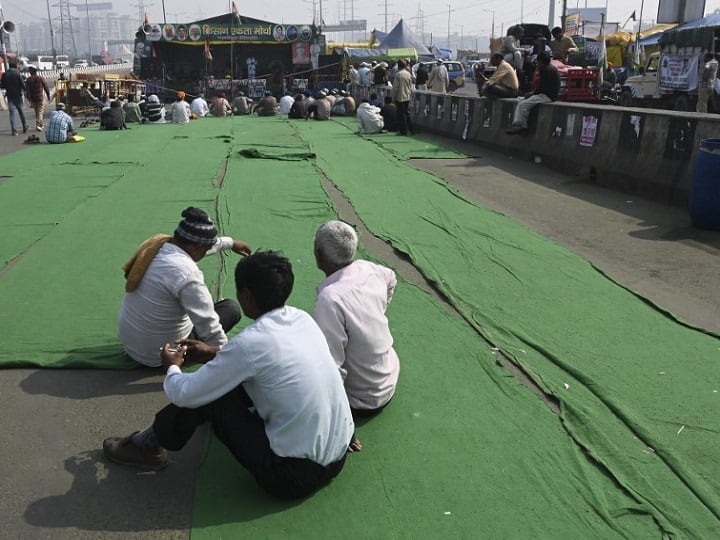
499 91
243 432
403 117
228 311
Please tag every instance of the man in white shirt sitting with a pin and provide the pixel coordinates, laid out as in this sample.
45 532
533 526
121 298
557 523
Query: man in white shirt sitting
350 310
165 293
180 110
296 438
286 102
369 119
199 106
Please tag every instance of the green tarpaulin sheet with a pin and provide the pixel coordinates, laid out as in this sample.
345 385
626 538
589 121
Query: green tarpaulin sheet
464 450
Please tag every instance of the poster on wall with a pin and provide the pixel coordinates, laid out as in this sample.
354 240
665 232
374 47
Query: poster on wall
570 127
631 128
679 72
508 111
680 137
454 105
558 123
300 53
487 114
589 130
468 112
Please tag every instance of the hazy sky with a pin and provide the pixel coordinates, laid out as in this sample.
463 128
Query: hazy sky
468 17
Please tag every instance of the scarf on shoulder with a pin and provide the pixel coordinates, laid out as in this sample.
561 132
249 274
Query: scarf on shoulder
138 264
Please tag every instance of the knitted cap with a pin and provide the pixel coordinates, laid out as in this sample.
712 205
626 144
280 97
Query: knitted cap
196 227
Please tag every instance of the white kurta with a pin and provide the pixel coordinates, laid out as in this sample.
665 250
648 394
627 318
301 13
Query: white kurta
350 310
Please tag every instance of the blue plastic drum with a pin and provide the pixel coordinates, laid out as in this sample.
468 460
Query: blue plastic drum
705 188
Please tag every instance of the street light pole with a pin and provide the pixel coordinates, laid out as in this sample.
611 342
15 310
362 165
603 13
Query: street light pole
448 35
87 14
52 36
492 28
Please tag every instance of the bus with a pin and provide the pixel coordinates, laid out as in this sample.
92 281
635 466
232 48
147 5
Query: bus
46 62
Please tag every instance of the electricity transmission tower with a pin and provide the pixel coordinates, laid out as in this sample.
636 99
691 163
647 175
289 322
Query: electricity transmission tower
67 34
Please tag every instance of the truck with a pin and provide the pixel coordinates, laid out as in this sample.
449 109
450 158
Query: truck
665 82
669 78
47 62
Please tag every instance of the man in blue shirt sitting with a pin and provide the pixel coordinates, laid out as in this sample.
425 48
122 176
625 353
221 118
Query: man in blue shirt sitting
60 126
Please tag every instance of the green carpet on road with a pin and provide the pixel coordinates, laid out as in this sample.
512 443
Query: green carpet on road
464 450
635 386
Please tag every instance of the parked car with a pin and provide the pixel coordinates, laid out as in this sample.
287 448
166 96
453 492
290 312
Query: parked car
81 64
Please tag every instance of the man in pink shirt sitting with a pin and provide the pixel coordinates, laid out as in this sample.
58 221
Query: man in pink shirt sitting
350 311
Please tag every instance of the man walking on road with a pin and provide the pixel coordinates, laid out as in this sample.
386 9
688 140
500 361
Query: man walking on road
14 86
36 87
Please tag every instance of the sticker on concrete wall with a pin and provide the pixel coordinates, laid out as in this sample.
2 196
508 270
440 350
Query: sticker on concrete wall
508 111
570 126
558 123
415 104
631 128
426 108
487 114
589 131
467 111
681 133
440 111
454 105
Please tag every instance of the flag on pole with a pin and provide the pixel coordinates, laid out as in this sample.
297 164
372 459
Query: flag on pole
208 54
147 19
235 14
633 16
602 56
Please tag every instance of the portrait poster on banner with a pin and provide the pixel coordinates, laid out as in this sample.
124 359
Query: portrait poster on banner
679 72
300 53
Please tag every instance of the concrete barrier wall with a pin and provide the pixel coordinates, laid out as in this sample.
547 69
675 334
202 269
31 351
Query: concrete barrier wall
643 152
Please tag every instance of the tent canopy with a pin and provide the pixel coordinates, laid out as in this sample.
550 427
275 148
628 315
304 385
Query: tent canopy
362 55
697 33
401 37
